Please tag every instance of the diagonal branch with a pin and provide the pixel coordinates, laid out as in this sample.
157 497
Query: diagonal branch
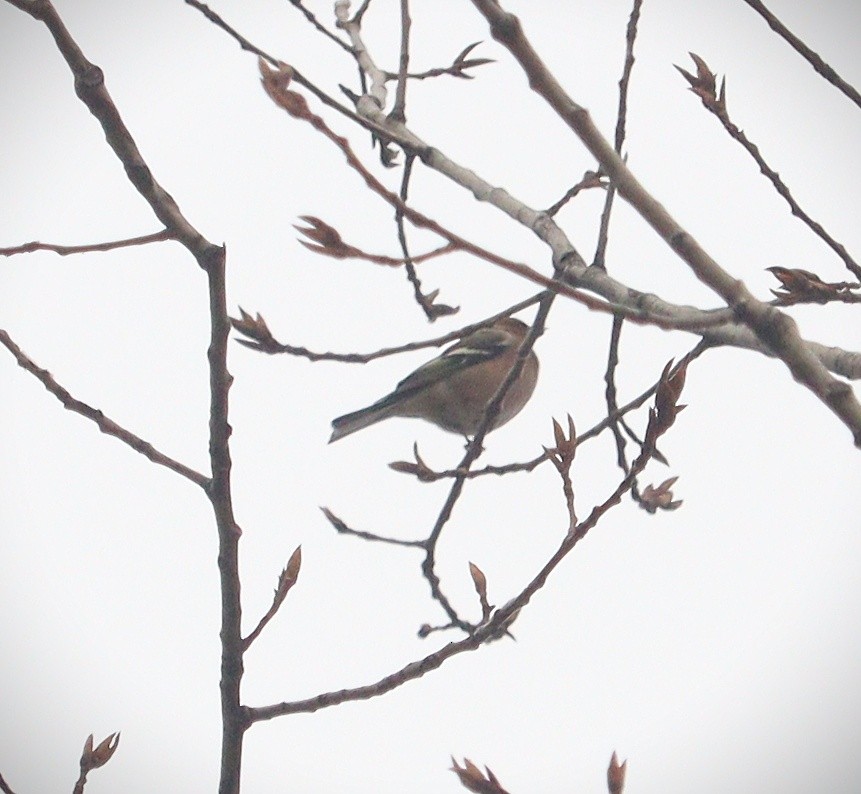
802 49
106 425
318 25
498 623
776 330
5 787
704 86
716 326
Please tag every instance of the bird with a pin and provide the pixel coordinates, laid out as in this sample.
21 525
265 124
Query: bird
453 389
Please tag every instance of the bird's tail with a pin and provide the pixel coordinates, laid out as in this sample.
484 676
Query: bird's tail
357 420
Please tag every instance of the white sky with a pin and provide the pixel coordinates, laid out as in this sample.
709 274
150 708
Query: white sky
715 647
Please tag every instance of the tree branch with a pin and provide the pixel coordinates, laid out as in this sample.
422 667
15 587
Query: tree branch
776 330
802 49
106 425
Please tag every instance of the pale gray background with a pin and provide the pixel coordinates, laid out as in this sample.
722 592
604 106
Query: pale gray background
715 647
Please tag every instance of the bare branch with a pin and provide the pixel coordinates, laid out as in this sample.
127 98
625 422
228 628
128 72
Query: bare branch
5 787
457 68
319 26
621 120
704 86
802 49
341 526
260 338
776 330
431 308
65 250
591 179
106 425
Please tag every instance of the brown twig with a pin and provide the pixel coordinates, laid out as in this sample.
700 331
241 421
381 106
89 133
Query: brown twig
599 260
341 526
703 84
457 68
802 49
621 121
66 250
297 4
500 620
591 179
106 425
430 307
5 787
295 104
260 338
327 241
776 330
473 450
90 88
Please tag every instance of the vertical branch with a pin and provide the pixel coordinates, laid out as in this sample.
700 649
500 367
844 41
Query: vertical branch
400 107
802 49
233 720
621 121
91 90
473 450
604 236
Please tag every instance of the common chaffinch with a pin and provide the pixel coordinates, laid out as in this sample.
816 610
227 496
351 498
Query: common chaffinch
453 390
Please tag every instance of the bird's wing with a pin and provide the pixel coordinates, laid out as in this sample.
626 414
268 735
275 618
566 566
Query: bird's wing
481 345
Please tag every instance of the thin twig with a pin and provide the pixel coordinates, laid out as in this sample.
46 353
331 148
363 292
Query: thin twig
487 631
430 307
262 340
719 326
106 425
474 449
399 109
775 329
703 85
341 526
621 121
286 580
599 259
591 179
319 26
800 47
65 250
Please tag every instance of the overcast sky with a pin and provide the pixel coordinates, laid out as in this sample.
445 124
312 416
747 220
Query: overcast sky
715 647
